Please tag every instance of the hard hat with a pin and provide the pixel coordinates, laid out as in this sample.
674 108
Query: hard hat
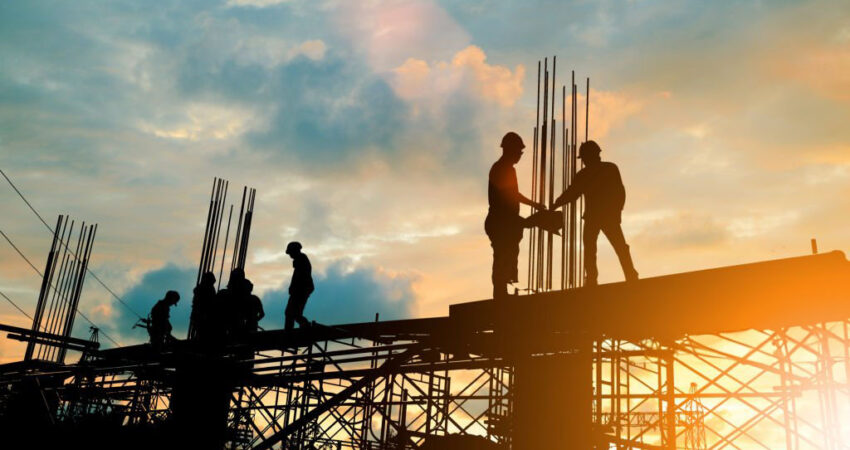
237 276
589 148
172 296
293 247
208 278
512 141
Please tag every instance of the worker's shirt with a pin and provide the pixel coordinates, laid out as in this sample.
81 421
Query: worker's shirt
603 190
302 276
256 309
160 314
503 190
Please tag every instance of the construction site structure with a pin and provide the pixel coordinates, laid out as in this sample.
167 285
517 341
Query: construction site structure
749 356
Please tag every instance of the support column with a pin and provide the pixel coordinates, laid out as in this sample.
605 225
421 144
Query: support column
553 404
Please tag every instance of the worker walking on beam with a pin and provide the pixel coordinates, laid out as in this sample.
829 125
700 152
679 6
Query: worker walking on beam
300 287
504 225
604 196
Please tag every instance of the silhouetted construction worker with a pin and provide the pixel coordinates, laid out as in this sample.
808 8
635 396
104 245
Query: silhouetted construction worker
604 196
159 328
202 302
230 302
503 225
300 287
252 310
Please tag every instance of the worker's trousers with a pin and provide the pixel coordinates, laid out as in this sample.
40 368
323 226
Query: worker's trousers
295 311
614 233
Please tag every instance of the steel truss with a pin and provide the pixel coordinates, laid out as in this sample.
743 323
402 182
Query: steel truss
755 389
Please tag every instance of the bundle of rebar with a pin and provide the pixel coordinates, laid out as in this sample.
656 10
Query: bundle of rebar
546 169
60 291
243 228
210 260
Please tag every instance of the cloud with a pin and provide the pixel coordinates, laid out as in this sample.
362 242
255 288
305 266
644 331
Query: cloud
417 80
329 112
678 230
200 122
255 3
826 70
388 33
346 294
608 109
149 289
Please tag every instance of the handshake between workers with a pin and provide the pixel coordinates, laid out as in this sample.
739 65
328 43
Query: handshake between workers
604 197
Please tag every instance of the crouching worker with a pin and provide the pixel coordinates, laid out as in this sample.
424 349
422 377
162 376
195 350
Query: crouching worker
159 327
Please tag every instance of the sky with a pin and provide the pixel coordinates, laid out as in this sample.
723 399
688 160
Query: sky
368 129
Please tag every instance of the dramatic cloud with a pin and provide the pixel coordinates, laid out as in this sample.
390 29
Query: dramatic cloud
468 70
368 129
346 294
149 289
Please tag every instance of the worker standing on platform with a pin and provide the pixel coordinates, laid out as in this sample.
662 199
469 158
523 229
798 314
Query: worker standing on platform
604 196
253 309
300 287
503 225
202 305
159 327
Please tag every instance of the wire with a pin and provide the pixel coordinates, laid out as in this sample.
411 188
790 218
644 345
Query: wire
20 194
20 253
15 305
78 312
100 330
42 276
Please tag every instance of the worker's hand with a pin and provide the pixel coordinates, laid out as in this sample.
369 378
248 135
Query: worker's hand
540 206
556 205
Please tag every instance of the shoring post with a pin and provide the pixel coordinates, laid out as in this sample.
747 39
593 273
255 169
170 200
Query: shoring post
670 397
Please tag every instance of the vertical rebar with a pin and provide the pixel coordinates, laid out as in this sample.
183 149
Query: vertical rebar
544 131
224 249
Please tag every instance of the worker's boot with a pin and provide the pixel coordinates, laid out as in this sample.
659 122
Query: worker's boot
500 290
625 257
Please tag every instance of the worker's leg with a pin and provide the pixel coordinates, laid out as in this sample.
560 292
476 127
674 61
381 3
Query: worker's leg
512 257
495 231
500 280
290 318
614 233
299 317
591 234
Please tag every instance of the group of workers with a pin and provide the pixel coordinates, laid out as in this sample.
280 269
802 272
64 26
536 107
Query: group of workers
604 197
235 311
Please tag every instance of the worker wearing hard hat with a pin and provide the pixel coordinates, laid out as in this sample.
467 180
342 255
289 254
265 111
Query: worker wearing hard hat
300 287
604 196
504 225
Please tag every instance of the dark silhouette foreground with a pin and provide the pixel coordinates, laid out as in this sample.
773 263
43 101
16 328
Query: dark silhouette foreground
300 287
159 327
504 225
604 196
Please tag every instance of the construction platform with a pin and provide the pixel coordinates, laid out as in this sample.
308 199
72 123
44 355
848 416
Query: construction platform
555 366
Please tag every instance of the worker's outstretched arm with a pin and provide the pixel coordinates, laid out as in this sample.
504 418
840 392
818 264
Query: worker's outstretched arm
570 195
525 200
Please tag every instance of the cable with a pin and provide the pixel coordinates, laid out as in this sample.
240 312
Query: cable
15 305
100 330
78 312
20 253
20 194
42 276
